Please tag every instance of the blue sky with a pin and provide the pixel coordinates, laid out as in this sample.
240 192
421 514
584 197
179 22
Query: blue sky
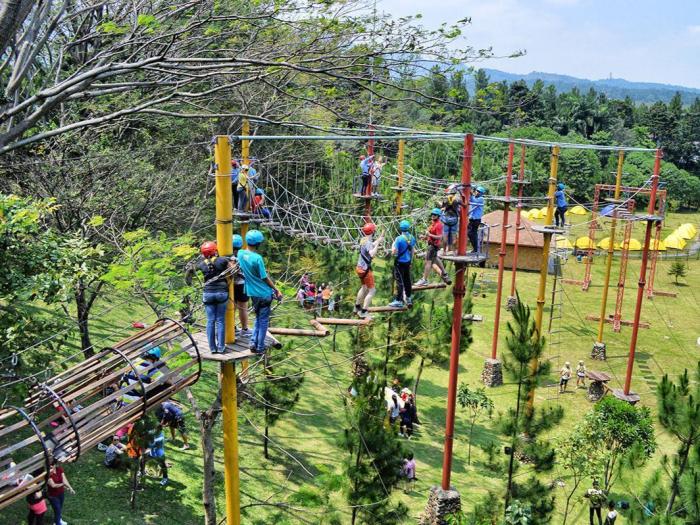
644 40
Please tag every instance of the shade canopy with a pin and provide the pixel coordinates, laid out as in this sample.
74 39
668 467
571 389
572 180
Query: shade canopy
584 243
634 245
659 246
563 243
686 231
577 210
675 242
604 244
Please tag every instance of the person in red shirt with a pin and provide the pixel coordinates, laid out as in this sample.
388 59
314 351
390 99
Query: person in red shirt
259 204
434 238
58 483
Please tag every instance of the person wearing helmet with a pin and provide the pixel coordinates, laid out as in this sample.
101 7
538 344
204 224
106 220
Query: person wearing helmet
402 250
239 291
215 297
259 287
368 250
434 238
450 217
242 188
560 200
259 204
365 169
476 212
376 172
235 171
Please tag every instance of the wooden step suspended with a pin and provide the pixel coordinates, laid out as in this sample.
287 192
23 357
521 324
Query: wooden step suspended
623 322
429 286
468 258
378 309
342 322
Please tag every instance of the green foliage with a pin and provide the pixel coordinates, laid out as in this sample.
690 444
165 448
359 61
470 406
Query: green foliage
517 514
476 402
678 270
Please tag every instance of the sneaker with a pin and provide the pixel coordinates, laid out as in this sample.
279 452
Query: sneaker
246 333
185 447
446 278
163 482
357 309
409 301
101 447
253 348
421 282
222 350
63 523
361 313
397 304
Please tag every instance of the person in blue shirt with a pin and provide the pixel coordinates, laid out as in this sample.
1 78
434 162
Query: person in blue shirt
476 212
156 451
402 250
560 200
366 167
259 287
170 415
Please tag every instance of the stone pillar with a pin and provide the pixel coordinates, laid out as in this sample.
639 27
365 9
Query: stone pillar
492 374
441 503
511 302
598 352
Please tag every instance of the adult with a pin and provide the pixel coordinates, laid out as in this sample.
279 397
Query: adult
170 415
235 171
242 189
408 417
57 485
113 453
402 250
37 508
363 269
476 212
561 204
239 291
449 216
434 238
394 409
596 498
365 169
259 287
376 173
564 375
215 297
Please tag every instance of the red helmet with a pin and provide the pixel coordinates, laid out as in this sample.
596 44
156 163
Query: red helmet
369 228
362 157
208 248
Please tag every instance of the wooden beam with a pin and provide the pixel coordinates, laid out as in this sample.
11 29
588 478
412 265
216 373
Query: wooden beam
337 321
429 286
297 332
623 322
386 309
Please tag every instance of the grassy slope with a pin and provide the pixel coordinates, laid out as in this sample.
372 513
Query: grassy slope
667 347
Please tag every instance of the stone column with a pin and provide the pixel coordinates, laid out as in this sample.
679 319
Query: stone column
441 503
492 374
598 351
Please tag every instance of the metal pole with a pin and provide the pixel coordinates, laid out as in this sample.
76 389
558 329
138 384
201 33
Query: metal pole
245 159
224 241
643 271
553 170
611 248
458 294
502 253
400 172
521 178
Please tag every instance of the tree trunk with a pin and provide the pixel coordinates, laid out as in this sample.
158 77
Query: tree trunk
267 436
685 451
469 448
83 306
415 383
335 332
516 428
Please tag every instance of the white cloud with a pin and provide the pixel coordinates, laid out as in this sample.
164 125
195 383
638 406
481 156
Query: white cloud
695 30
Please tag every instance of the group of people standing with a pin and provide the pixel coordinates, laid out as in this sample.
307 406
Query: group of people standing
247 196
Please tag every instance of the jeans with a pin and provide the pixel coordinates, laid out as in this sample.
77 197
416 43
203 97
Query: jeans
262 309
215 306
596 510
35 519
242 199
473 233
57 506
559 213
402 272
365 184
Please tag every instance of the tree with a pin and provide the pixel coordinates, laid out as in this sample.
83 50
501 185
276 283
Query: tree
678 269
476 402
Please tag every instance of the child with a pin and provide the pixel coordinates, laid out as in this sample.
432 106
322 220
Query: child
581 374
366 166
476 212
409 472
376 172
259 204
37 508
565 376
434 238
450 217
612 514
403 252
156 450
368 250
561 204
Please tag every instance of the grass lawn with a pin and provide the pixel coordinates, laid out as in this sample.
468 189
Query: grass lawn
308 437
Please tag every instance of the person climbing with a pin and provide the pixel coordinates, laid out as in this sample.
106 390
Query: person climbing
169 415
368 250
564 375
365 167
156 451
239 291
259 287
408 470
376 172
434 238
403 252
611 518
259 204
242 189
215 297
147 372
57 485
450 217
235 171
596 498
561 204
476 212
581 374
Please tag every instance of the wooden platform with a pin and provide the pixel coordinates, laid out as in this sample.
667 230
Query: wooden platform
652 218
504 199
469 258
345 322
577 282
547 229
631 398
366 197
664 294
234 352
623 322
378 309
429 286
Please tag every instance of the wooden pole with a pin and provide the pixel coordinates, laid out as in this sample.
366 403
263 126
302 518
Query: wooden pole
521 178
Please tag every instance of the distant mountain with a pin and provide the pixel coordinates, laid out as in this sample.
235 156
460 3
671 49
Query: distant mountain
617 88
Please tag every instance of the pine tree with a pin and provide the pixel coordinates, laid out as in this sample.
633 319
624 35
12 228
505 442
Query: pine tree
677 269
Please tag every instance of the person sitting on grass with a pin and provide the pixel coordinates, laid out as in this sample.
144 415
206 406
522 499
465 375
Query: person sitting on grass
170 416
432 261
113 453
259 287
403 252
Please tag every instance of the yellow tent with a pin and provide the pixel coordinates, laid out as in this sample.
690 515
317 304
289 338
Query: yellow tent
604 244
686 231
635 245
675 242
660 247
584 243
543 212
534 214
563 243
577 210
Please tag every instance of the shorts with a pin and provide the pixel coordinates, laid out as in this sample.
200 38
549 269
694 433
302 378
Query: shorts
450 231
179 424
239 293
563 381
366 277
432 253
580 375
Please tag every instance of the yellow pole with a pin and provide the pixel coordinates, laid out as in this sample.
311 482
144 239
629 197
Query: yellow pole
245 159
224 241
399 171
611 248
553 170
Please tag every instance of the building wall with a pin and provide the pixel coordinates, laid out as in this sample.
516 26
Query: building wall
529 257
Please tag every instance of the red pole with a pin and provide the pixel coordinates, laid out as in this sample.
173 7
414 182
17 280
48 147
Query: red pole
458 294
643 271
521 178
502 253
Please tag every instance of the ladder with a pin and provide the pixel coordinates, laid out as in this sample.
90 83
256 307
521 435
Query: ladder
558 258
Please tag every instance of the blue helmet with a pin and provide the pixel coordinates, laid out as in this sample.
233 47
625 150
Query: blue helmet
237 241
561 186
481 189
436 211
404 226
259 191
153 353
254 237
